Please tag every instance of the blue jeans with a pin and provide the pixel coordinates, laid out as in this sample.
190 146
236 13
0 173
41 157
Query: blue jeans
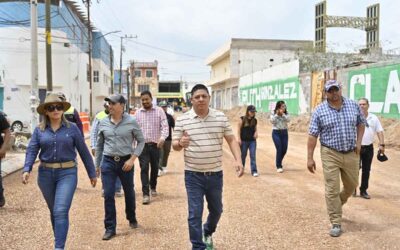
110 171
199 185
58 188
150 155
251 146
280 138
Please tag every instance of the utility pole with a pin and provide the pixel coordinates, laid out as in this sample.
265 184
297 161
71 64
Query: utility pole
112 70
128 103
133 83
120 61
48 48
87 3
34 65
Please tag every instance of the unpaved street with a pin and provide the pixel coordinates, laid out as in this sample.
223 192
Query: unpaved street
273 211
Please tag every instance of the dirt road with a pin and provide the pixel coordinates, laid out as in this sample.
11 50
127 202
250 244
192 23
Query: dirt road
273 211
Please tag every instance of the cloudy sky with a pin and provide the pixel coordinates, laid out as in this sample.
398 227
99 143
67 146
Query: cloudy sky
181 34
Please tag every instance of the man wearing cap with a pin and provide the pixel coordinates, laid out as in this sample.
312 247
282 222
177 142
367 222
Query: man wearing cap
72 114
115 156
367 147
340 125
93 140
166 148
153 122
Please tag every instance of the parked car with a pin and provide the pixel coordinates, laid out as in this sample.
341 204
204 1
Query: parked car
16 123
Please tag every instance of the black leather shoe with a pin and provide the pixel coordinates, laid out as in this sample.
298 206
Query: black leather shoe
108 235
365 195
133 224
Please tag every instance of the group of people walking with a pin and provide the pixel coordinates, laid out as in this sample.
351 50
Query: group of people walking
118 139
248 134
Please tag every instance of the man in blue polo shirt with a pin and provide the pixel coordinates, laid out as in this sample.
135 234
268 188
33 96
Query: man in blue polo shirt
340 125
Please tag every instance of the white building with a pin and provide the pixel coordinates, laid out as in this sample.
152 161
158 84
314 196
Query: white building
241 57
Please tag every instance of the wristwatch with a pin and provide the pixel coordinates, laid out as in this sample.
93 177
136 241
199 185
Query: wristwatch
382 145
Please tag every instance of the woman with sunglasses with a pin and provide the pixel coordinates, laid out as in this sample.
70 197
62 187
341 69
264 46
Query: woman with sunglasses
56 141
280 119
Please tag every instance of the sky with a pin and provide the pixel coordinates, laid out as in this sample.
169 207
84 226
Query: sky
181 34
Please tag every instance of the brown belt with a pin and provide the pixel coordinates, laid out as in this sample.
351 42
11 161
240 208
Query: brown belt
68 164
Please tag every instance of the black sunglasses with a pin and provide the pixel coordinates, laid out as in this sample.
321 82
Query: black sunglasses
51 108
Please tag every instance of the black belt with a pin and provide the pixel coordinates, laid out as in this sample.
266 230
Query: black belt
367 146
342 152
118 158
151 144
209 173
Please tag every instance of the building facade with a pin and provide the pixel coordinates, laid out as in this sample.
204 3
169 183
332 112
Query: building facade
144 76
241 57
70 61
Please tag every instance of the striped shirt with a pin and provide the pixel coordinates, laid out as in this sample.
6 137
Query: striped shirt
337 128
204 153
154 124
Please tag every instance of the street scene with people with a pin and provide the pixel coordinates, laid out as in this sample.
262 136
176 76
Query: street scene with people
119 139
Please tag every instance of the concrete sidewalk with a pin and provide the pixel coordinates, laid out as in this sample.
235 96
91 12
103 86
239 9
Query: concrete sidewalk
12 163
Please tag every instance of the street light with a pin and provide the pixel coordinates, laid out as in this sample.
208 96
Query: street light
120 61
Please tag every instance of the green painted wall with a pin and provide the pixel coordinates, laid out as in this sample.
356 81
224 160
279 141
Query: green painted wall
264 95
381 85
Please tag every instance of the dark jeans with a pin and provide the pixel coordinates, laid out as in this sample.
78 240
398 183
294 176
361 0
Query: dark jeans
58 188
280 138
110 171
199 185
150 155
366 156
251 146
164 154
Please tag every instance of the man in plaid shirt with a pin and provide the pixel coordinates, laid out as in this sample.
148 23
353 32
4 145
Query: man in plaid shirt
153 121
340 125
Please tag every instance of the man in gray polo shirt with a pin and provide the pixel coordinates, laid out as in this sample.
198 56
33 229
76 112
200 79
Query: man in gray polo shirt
200 132
115 157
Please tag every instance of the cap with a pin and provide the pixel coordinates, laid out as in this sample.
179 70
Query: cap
332 83
251 108
163 104
115 98
381 156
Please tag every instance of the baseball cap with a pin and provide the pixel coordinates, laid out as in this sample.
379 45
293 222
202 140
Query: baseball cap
251 108
115 98
381 156
332 83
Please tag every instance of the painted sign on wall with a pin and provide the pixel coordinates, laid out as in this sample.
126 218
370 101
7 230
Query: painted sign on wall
264 95
381 85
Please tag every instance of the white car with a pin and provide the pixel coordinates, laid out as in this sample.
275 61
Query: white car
16 123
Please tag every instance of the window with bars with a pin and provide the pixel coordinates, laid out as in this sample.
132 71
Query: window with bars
149 73
142 88
96 76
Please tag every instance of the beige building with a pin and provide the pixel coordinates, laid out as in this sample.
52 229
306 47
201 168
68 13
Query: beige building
144 78
240 57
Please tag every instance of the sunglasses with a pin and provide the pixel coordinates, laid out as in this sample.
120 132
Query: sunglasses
51 108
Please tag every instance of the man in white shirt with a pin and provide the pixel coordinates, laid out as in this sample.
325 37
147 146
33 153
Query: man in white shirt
367 148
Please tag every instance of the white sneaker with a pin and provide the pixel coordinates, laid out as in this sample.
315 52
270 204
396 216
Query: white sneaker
164 169
160 172
255 174
279 170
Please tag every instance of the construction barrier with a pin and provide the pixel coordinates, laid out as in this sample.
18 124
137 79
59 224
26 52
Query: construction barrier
85 121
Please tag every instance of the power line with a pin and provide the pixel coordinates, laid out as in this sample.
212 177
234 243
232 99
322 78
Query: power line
167 50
